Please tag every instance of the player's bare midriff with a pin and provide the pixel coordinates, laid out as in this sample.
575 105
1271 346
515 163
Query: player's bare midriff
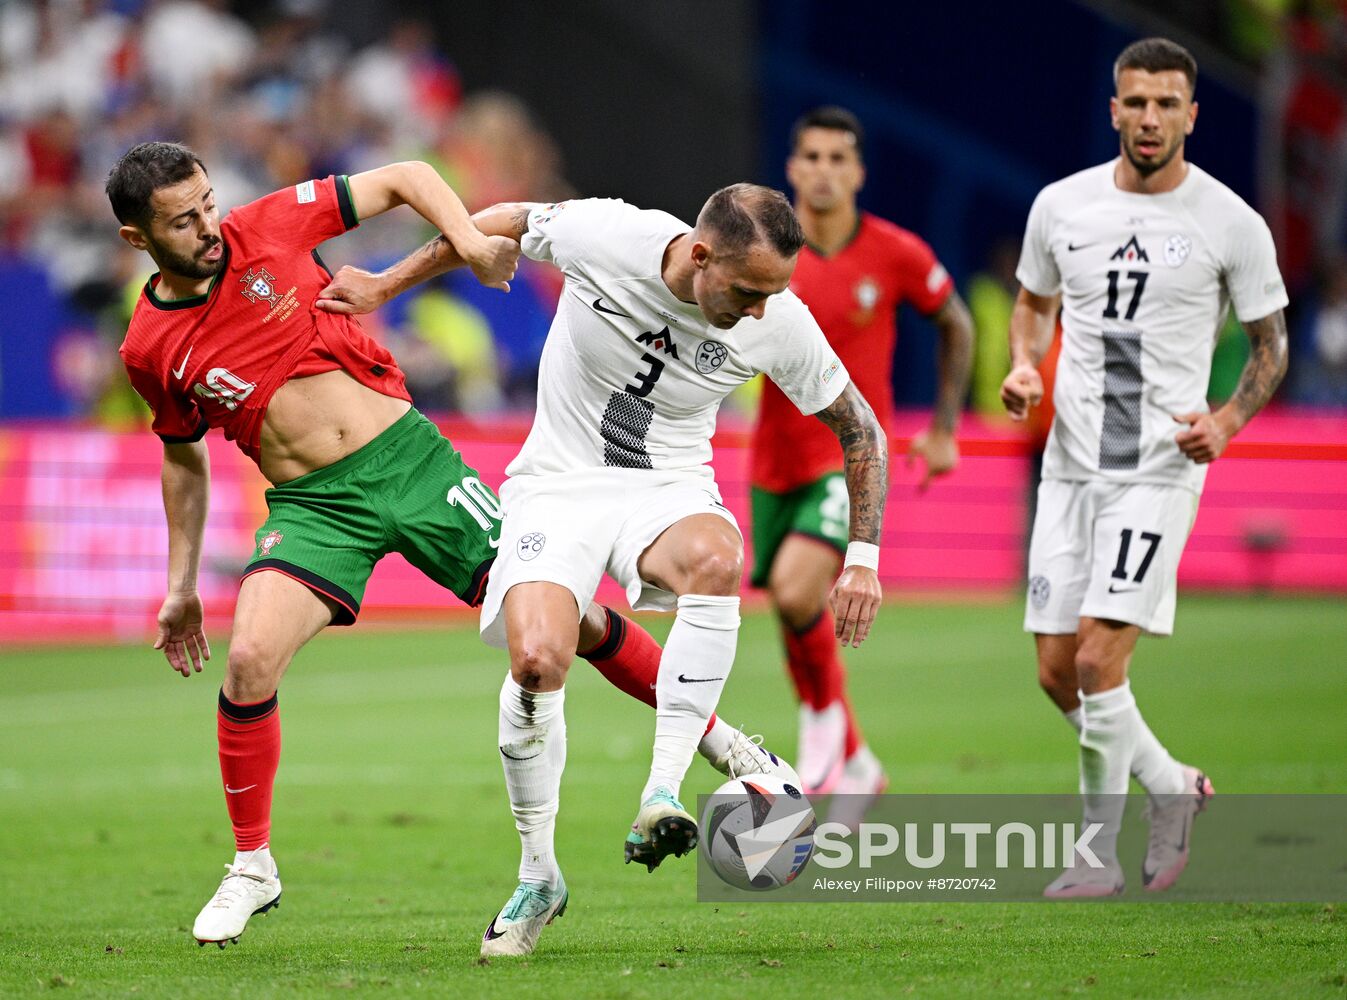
314 421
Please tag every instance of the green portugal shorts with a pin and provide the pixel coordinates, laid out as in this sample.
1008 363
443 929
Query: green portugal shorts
407 491
819 510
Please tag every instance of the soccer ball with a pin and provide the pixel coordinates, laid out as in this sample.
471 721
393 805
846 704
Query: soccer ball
758 832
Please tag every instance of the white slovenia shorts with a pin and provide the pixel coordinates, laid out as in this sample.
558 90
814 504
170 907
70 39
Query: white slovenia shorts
570 528
1104 550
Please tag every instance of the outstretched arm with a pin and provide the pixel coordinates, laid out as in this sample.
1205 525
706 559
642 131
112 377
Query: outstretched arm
856 595
354 291
419 185
1031 325
938 447
186 487
1207 434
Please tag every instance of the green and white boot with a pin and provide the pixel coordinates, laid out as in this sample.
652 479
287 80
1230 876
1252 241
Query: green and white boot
662 827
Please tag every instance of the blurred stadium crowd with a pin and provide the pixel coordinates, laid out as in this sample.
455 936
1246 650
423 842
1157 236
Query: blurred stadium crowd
266 104
277 97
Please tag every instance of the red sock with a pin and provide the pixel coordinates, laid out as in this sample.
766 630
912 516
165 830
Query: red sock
628 656
250 752
815 662
816 666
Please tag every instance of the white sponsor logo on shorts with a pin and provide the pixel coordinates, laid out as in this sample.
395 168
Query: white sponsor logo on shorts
531 544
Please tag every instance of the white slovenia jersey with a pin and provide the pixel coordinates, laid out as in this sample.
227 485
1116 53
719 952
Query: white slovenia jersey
1146 281
630 376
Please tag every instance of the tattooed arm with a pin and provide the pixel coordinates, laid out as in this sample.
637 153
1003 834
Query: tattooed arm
1207 434
856 595
354 291
937 446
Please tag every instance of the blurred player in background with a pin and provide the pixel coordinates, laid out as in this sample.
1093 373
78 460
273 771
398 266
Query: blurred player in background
853 273
658 322
1144 255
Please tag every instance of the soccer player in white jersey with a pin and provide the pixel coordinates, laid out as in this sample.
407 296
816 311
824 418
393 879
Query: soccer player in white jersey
657 323
1144 255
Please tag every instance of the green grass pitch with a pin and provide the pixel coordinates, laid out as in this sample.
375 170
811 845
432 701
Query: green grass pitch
396 846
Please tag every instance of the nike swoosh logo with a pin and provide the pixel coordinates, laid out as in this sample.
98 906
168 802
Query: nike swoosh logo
237 791
697 680
491 932
598 307
1114 589
520 759
177 372
1072 247
493 542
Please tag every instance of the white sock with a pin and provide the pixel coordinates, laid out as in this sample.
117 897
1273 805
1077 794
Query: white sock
1106 745
533 753
717 741
697 659
1075 718
1152 766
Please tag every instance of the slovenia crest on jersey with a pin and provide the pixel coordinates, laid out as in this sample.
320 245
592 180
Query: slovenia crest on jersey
1177 248
710 356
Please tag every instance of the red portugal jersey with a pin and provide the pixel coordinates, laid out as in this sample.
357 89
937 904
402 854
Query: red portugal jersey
216 360
854 295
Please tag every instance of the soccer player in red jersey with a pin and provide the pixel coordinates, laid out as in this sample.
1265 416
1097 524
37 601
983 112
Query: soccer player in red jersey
853 274
227 335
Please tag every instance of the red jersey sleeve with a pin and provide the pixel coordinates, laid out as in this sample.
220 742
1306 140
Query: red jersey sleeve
923 280
303 216
176 420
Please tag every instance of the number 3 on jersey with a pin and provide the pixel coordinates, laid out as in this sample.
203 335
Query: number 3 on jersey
478 500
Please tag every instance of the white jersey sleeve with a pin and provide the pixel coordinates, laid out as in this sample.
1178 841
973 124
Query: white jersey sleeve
590 233
801 361
1037 270
1252 278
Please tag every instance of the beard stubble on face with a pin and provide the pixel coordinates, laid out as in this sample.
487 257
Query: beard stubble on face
189 267
1147 167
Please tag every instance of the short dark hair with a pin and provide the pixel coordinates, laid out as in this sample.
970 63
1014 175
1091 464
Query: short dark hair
143 170
1156 55
743 215
833 117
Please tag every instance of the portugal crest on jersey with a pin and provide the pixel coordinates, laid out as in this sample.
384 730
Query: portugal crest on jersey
710 356
259 286
269 543
867 293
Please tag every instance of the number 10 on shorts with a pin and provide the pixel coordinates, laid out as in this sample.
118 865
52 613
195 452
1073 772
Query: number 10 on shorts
478 500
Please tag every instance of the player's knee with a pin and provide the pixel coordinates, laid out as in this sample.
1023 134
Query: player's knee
798 605
1092 669
540 665
714 570
252 670
1055 680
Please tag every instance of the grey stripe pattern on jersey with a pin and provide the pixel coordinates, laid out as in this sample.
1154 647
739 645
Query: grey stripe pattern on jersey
625 424
1120 437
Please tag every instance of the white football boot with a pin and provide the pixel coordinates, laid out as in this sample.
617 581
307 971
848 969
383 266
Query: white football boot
861 782
516 928
662 827
747 755
1080 881
1171 827
821 753
251 887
